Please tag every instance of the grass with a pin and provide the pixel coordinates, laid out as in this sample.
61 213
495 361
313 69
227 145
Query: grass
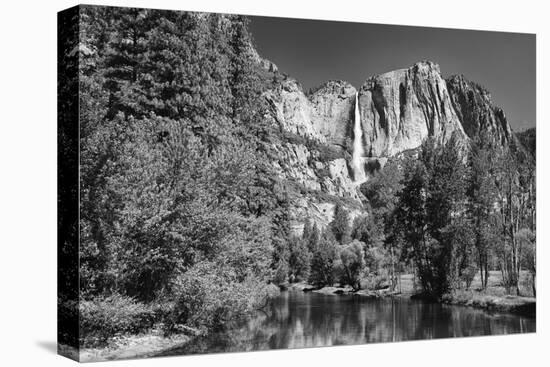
495 297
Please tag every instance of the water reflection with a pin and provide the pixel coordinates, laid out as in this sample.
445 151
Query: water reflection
298 320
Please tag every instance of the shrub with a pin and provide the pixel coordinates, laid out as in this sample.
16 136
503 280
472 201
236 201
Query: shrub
208 297
106 317
375 282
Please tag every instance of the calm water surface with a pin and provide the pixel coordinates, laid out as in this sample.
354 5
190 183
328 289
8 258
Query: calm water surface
298 320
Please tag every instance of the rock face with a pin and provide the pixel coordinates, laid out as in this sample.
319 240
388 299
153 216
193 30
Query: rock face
398 111
325 116
401 108
314 157
333 105
474 108
528 139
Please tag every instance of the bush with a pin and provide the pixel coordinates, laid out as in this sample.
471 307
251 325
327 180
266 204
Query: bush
106 317
208 297
375 282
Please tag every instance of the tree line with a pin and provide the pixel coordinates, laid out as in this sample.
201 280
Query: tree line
459 209
447 213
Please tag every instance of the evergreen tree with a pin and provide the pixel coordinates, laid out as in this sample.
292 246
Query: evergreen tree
340 225
314 238
299 259
323 261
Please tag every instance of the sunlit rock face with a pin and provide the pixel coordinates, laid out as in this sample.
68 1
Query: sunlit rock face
293 110
314 160
325 116
401 108
333 105
474 107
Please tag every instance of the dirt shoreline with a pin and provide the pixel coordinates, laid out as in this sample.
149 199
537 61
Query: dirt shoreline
524 306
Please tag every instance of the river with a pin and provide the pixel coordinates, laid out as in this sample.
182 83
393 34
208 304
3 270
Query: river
297 319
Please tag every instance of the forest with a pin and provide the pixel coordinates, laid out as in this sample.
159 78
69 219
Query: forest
184 223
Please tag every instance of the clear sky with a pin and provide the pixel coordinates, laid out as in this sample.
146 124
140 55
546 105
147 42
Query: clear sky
315 51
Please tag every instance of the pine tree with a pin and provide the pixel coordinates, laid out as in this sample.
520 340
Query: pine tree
340 225
314 238
323 261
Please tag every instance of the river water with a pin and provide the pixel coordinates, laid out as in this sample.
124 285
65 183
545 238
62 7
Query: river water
299 320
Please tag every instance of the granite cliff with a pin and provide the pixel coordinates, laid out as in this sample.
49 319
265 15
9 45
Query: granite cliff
398 110
401 108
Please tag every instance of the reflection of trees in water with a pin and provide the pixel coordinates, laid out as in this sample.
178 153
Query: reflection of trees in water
298 320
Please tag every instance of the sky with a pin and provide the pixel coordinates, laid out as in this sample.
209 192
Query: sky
314 51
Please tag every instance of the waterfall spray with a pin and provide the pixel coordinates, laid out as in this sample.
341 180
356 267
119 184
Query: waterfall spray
357 157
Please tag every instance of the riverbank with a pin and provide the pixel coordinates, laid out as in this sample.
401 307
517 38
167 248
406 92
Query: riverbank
492 299
525 306
128 347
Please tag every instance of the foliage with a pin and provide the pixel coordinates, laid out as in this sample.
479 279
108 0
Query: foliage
351 264
281 272
300 258
106 317
366 230
381 192
175 165
427 215
340 224
323 261
209 296
481 193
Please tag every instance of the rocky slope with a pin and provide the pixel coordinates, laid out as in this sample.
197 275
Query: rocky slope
475 109
314 156
398 111
528 139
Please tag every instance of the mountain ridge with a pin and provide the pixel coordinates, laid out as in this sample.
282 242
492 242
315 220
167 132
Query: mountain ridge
399 109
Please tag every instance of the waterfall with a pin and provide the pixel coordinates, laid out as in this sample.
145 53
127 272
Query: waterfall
357 157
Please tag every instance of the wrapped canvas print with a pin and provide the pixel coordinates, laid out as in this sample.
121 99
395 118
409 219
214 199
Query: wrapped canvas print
239 183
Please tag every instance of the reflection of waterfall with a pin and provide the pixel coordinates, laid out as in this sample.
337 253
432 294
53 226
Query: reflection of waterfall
357 158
